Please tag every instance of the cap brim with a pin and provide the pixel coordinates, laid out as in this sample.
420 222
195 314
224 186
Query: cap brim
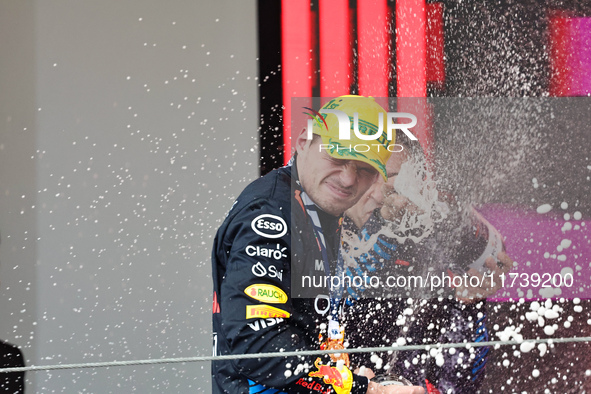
347 151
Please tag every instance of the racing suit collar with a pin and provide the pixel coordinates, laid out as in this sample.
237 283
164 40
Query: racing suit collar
296 185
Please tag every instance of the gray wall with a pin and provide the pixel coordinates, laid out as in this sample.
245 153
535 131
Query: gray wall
127 128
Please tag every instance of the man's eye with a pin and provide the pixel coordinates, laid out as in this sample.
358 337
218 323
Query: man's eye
368 171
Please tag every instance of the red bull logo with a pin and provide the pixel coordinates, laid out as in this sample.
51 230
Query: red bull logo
314 386
340 381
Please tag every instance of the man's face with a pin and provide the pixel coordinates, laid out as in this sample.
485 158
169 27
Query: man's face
334 185
371 200
374 197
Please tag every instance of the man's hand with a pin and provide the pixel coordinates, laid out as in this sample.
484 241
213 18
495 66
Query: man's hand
490 282
376 388
367 372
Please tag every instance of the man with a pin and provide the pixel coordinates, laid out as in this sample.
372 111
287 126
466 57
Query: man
282 230
455 315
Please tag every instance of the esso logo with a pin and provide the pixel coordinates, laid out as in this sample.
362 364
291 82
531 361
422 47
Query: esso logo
269 226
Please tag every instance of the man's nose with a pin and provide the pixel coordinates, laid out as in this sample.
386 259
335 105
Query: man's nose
349 175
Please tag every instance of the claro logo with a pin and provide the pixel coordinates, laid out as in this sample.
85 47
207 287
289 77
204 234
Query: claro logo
269 226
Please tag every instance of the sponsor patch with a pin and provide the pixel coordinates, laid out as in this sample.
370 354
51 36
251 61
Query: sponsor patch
318 265
266 293
322 304
340 380
272 272
278 253
264 323
313 386
265 311
269 226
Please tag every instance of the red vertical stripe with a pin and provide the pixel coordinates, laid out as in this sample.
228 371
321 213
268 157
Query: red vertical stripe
560 76
411 51
411 69
373 47
296 60
435 61
335 49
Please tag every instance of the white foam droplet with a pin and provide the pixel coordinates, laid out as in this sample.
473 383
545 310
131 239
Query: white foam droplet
526 347
549 330
439 360
531 316
550 314
544 208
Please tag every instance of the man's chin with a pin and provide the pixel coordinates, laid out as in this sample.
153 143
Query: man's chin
335 205
331 207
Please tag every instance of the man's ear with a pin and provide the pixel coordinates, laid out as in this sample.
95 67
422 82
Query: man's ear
302 141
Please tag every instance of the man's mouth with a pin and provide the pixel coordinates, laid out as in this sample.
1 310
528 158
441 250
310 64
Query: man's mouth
339 191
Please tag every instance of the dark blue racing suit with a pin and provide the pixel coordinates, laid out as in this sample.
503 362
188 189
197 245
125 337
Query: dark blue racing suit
261 253
435 318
